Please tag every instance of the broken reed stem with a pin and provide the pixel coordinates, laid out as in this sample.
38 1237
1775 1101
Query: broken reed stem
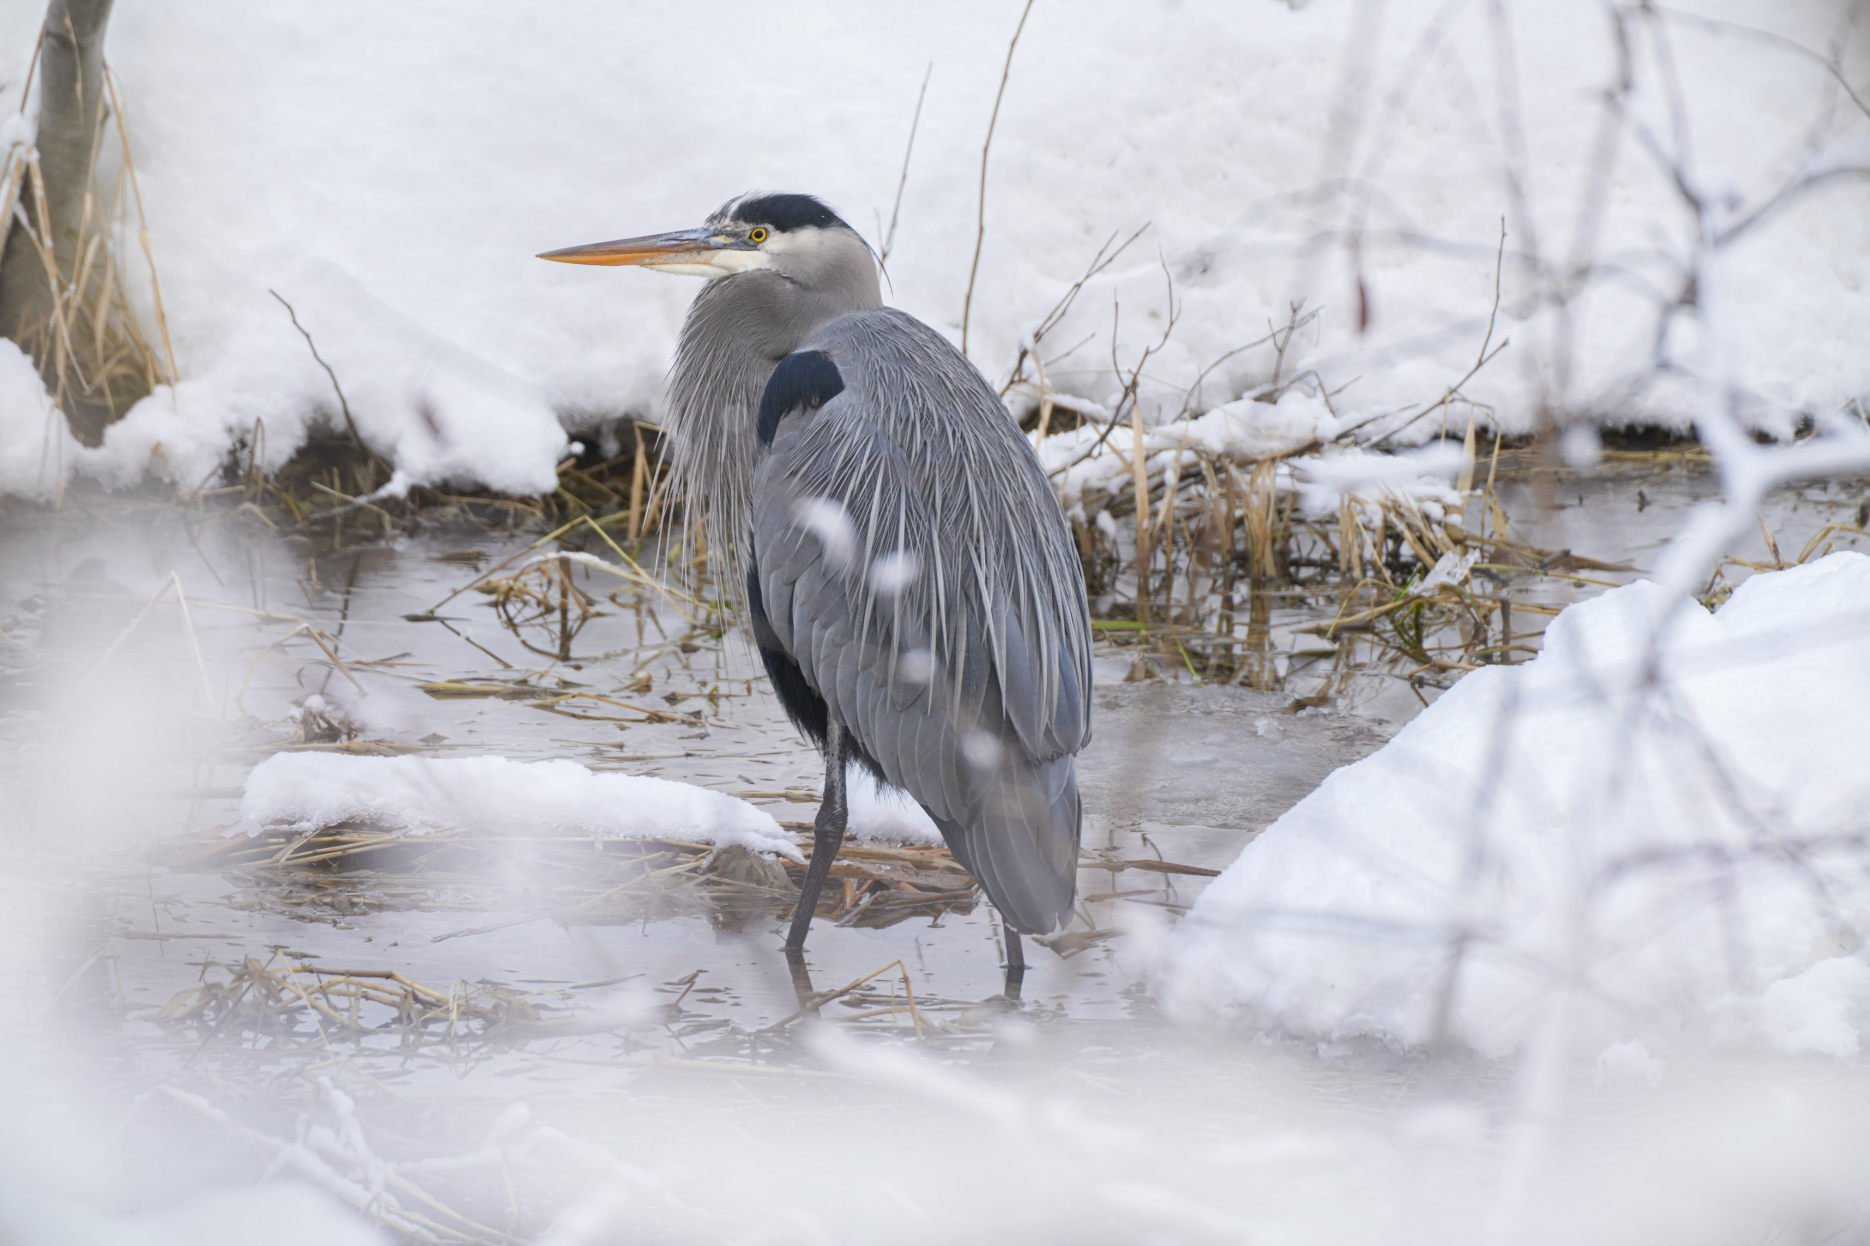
1259 518
1465 484
194 644
834 996
142 223
986 147
127 632
1139 481
1045 398
564 611
304 629
638 475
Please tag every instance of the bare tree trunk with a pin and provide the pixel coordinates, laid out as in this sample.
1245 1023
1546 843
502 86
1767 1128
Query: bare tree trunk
32 291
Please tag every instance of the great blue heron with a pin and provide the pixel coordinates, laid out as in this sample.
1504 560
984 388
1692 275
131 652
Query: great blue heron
910 580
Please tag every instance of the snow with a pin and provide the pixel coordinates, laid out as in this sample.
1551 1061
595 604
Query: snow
395 189
885 815
304 792
1087 467
295 1215
36 446
1661 845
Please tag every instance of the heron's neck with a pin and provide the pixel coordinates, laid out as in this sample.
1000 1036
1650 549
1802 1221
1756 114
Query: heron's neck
738 330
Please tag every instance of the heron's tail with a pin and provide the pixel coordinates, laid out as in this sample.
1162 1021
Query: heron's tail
1021 843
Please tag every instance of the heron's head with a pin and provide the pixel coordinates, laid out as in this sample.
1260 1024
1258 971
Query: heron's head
795 236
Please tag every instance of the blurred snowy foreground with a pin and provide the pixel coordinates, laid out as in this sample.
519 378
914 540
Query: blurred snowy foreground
1653 839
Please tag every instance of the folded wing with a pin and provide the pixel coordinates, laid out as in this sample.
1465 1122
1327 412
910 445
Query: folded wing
912 574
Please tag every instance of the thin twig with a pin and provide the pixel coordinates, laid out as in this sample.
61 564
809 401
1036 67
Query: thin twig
343 406
1104 258
1480 361
980 231
889 238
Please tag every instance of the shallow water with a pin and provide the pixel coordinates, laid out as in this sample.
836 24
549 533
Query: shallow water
126 731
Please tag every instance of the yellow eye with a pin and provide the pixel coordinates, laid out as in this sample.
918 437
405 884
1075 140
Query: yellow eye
757 234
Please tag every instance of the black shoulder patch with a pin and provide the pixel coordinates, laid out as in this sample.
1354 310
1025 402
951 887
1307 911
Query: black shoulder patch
785 212
804 381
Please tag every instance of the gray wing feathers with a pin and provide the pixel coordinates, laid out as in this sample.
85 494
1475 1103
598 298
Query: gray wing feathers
913 560
1028 845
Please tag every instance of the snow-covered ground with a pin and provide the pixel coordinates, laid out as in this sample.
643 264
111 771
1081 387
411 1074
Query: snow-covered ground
392 172
306 792
1660 846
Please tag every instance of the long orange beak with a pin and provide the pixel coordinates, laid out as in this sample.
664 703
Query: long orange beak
680 245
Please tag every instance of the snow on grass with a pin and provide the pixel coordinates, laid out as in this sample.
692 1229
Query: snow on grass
1088 468
1671 844
305 792
395 189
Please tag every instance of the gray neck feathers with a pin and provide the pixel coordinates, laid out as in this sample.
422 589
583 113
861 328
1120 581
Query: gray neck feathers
737 331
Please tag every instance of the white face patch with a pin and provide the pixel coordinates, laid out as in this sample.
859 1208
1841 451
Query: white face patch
712 264
796 241
740 261
691 265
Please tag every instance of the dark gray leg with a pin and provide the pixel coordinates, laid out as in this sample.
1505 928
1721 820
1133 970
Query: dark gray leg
827 835
801 978
1015 963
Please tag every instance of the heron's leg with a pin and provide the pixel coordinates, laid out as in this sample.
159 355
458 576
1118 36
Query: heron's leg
801 978
1015 963
827 834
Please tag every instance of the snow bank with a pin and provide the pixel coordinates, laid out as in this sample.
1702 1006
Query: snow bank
1670 843
36 446
303 792
395 188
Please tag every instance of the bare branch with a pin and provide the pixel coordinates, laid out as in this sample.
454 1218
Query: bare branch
889 238
980 230
343 406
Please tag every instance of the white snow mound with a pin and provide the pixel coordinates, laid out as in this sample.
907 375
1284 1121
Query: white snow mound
303 792
36 447
1664 845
